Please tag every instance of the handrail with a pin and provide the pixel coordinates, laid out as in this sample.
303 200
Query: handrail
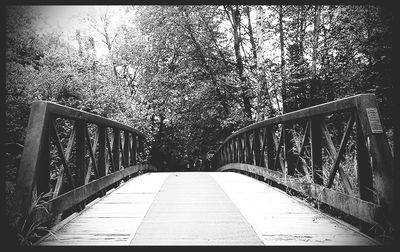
93 166
255 149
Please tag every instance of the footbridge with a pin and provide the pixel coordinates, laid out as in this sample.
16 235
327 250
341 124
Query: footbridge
318 176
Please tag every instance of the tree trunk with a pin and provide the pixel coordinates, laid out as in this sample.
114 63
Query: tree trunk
314 85
282 47
263 92
288 136
160 130
315 40
208 68
252 41
303 14
79 39
109 47
239 60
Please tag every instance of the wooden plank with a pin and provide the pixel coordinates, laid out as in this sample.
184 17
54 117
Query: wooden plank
163 211
79 194
191 209
109 227
288 220
358 208
62 223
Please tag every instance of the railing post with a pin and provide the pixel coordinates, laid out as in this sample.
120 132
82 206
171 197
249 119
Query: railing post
134 148
256 147
240 149
316 150
80 142
126 148
263 136
382 160
116 149
140 149
43 178
247 148
286 145
364 169
102 151
229 150
224 157
270 148
288 153
32 163
235 154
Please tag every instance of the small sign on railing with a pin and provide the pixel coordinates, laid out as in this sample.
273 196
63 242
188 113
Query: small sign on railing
374 121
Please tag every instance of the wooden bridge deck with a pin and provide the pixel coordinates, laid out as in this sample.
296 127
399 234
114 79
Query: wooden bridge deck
199 208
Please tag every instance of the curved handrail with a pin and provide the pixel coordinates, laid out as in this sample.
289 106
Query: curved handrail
116 152
254 150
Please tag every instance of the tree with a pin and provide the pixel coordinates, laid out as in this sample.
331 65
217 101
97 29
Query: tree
234 16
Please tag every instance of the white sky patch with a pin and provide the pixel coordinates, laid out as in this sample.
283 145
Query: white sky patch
68 19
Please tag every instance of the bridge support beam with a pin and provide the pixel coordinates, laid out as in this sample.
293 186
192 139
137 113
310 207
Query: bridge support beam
34 161
382 160
316 150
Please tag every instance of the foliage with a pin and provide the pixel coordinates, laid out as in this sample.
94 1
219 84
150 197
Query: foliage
189 76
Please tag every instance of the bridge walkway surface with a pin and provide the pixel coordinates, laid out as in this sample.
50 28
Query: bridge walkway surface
201 208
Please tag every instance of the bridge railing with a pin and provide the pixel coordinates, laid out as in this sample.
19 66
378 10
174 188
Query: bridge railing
72 156
354 174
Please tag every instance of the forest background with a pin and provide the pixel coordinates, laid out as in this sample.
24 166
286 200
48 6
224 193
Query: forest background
189 76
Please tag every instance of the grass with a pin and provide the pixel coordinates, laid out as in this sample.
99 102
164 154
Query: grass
23 232
31 230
